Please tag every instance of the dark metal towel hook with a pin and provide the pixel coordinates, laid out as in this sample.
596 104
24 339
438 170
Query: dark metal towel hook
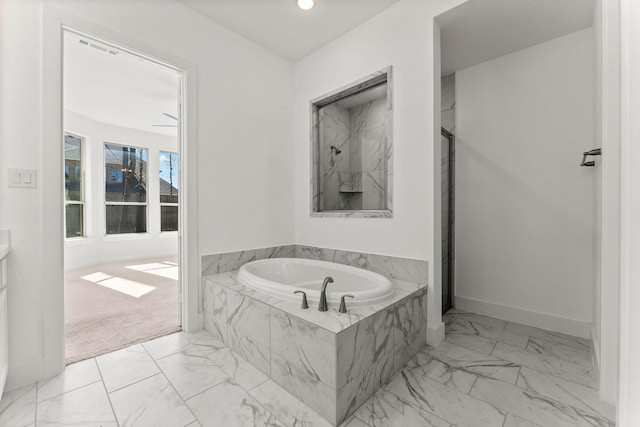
594 152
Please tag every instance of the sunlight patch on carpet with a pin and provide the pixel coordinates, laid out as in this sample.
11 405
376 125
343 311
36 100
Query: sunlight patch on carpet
168 272
128 287
144 267
97 277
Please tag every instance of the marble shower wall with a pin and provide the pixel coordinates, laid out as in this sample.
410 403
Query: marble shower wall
336 169
368 143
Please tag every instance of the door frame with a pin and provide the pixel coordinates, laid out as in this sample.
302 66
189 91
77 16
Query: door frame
55 22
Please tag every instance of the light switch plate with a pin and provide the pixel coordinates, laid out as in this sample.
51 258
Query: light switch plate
22 178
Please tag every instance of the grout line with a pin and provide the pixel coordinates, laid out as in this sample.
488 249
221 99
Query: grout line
256 386
173 387
473 385
107 393
69 391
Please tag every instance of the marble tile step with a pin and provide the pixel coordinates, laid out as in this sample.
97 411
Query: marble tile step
532 406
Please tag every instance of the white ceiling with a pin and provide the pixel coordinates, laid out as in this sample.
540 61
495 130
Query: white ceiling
479 30
283 28
120 89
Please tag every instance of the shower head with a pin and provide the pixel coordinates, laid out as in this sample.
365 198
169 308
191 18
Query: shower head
335 150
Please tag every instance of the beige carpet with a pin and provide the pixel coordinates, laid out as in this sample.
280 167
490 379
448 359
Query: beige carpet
111 306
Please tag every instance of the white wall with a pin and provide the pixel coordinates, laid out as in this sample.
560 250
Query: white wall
244 149
403 37
524 208
96 247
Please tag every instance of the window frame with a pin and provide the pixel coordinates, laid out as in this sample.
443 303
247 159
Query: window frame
177 204
109 203
82 201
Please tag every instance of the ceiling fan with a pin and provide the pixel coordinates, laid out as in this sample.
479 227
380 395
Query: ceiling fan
171 116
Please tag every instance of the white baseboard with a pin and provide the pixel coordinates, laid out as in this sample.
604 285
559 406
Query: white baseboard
551 322
435 335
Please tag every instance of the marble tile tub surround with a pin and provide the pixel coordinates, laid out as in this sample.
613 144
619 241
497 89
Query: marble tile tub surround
413 270
332 362
375 177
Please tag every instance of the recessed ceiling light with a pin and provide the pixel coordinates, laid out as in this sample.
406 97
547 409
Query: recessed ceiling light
306 4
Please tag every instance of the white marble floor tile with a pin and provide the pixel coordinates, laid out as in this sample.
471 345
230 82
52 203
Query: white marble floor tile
288 409
204 340
570 393
532 406
354 422
561 351
83 407
150 402
515 421
74 376
557 337
127 366
385 409
473 342
455 314
465 326
227 404
18 407
167 345
474 362
191 372
549 365
426 366
243 373
444 402
194 424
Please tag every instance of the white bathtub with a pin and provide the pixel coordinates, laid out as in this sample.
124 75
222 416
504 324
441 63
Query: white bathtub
280 277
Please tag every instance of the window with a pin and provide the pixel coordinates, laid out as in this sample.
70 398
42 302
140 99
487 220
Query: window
125 189
73 186
168 191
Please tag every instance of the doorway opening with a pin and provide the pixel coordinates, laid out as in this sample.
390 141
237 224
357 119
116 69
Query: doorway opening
122 196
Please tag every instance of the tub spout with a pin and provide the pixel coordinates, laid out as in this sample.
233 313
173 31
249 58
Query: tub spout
322 306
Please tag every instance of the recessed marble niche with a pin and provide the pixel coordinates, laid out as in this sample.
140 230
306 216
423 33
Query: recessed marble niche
351 149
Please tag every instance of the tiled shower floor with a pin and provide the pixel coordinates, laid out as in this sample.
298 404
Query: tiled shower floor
488 373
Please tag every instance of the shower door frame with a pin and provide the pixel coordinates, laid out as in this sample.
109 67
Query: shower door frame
447 305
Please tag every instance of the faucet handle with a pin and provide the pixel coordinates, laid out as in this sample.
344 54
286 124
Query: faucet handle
343 305
304 305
